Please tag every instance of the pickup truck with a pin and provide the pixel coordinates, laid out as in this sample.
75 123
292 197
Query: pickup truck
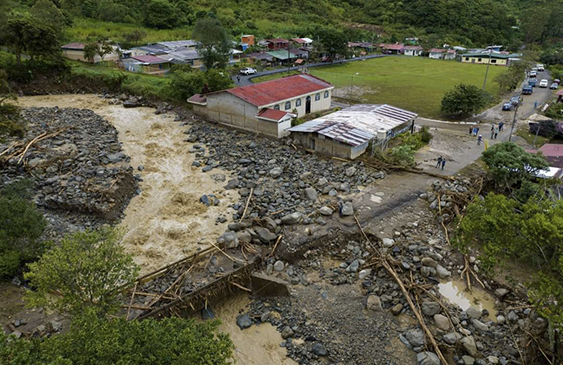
532 82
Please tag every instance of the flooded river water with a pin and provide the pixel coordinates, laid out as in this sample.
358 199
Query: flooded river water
456 292
166 221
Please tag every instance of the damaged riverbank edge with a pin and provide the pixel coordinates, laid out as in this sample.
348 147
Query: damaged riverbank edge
262 171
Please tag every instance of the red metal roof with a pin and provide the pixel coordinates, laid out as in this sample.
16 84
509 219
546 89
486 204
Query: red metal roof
277 40
150 59
197 99
552 149
269 92
436 50
75 45
271 114
414 47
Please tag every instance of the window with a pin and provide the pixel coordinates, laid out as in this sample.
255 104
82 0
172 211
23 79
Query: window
288 105
478 60
467 58
317 96
298 102
493 61
326 94
276 107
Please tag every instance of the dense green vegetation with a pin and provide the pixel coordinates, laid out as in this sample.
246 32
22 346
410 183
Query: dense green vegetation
412 83
21 226
464 100
523 220
96 340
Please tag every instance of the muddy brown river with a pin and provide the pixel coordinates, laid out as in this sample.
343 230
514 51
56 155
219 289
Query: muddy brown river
166 221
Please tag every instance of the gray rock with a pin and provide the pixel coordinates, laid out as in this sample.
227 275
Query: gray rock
470 346
292 218
319 349
244 321
265 234
428 271
388 242
229 238
443 272
244 236
322 182
347 209
397 309
452 338
442 322
374 303
56 326
512 316
350 171
428 261
493 359
479 325
427 358
364 273
468 360
276 172
326 211
473 313
354 266
287 332
430 308
501 292
279 266
415 337
311 194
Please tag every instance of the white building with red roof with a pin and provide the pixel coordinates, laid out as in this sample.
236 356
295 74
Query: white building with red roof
268 107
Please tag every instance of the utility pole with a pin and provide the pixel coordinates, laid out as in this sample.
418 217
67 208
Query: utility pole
487 71
513 122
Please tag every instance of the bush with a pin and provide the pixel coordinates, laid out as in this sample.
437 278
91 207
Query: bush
464 100
21 225
417 140
402 155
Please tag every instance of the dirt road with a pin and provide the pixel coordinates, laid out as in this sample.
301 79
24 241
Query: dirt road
166 221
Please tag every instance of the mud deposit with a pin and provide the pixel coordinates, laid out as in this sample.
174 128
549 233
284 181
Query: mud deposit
255 345
456 293
166 221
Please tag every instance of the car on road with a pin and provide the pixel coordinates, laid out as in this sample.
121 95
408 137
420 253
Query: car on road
516 100
554 86
527 90
540 67
557 81
507 106
248 71
532 82
533 73
544 83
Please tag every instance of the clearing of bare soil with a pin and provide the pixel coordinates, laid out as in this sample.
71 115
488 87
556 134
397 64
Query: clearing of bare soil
166 221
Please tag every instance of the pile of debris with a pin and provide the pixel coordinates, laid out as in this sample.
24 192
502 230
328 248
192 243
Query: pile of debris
76 162
278 183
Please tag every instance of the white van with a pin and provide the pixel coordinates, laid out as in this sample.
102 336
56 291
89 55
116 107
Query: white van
540 67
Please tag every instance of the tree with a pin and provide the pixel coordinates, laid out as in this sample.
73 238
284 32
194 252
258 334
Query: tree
509 164
101 48
534 23
135 36
186 82
47 13
464 100
111 11
24 34
21 226
160 14
97 340
214 44
85 269
332 42
10 120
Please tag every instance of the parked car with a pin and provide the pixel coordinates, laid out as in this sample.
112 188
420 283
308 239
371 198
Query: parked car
533 73
543 83
540 67
557 81
516 100
554 86
527 90
248 71
507 106
532 82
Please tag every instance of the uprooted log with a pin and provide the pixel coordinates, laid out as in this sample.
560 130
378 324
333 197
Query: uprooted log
382 260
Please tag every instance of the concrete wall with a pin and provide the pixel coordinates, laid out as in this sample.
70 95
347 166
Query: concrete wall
436 56
79 56
484 60
412 52
328 147
316 105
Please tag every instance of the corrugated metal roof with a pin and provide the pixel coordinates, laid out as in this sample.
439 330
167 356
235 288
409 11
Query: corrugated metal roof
281 55
150 59
74 46
178 44
271 114
358 123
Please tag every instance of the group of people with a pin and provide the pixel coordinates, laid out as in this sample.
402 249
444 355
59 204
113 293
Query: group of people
495 130
441 162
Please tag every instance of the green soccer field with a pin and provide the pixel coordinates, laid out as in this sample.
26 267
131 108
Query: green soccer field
413 83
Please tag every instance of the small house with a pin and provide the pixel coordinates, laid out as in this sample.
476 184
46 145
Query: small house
260 58
413 50
497 59
187 57
393 48
152 65
178 45
436 53
150 49
75 51
450 54
267 107
347 133
282 56
277 43
247 39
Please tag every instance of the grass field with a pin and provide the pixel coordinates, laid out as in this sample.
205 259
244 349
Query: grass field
413 83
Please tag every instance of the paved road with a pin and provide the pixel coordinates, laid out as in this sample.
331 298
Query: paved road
242 80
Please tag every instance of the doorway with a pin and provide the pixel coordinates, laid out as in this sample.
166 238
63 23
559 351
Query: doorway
308 105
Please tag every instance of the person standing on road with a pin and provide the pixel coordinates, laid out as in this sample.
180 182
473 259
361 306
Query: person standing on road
470 130
479 139
238 79
477 131
439 162
492 131
535 104
500 125
443 163
496 133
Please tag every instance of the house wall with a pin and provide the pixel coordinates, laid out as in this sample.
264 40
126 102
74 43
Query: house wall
316 105
436 56
484 60
283 127
412 52
449 56
79 56
329 147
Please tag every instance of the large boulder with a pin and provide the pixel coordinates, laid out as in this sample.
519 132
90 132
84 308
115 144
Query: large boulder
347 209
292 218
427 358
415 337
430 308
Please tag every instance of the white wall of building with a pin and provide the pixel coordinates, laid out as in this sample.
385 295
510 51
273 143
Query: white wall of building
325 99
